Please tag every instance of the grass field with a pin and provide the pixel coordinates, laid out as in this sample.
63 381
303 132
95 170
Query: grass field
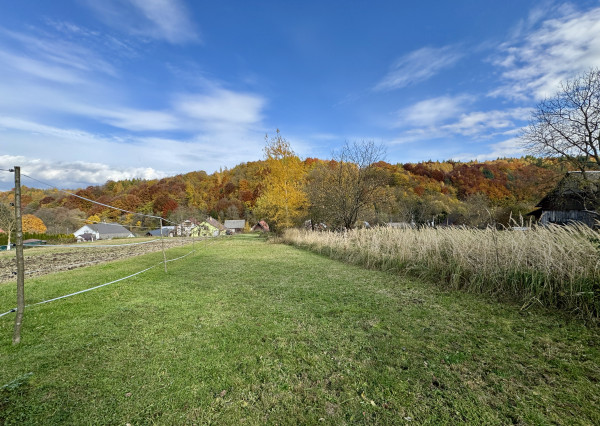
245 331
553 266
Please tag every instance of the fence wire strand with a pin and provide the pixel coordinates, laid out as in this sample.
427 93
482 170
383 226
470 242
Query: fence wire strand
98 286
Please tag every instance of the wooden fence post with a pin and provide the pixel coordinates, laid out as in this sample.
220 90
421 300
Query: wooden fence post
20 260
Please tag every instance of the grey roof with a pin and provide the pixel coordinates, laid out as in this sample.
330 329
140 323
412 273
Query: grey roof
110 230
235 224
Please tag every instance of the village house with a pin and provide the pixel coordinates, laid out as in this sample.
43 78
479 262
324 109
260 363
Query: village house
575 199
103 231
235 226
184 229
209 228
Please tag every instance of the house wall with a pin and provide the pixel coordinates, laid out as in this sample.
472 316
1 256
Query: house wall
86 230
205 229
563 217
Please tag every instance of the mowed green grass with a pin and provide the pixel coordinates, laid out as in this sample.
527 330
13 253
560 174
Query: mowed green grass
245 331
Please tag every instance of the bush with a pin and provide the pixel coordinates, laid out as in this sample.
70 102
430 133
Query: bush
50 238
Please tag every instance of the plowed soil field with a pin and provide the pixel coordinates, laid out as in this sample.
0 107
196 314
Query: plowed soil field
48 259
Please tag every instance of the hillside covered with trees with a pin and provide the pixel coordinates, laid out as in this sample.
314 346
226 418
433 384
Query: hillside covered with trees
450 192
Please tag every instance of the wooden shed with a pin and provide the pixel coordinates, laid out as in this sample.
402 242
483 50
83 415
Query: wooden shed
575 199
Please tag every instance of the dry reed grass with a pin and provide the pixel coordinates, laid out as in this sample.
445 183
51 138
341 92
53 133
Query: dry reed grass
554 266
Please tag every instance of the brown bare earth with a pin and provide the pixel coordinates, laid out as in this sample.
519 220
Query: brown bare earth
48 259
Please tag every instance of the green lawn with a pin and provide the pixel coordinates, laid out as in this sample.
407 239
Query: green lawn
248 331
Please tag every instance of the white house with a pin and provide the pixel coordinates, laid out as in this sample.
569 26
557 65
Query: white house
103 231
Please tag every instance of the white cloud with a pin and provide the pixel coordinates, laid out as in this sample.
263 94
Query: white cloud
482 122
418 66
51 149
135 120
57 52
446 117
432 111
37 69
169 17
66 174
505 149
222 106
558 49
158 19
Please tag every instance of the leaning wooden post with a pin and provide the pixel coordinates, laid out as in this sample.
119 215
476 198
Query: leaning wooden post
20 260
162 242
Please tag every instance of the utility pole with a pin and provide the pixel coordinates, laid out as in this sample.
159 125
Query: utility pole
20 260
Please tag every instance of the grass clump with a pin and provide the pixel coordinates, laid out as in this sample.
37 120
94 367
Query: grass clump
554 266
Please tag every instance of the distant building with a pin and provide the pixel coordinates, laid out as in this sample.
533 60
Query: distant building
209 228
104 231
574 199
86 237
261 226
235 226
184 229
167 231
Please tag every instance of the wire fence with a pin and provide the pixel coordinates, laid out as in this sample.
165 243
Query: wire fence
131 249
105 284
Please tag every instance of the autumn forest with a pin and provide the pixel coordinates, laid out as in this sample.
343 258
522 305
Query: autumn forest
449 192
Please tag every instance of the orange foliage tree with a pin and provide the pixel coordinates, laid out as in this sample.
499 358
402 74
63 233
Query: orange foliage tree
33 224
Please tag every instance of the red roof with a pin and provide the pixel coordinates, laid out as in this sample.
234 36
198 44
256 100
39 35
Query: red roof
263 225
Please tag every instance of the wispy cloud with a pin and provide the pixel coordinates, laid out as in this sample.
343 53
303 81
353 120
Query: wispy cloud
222 106
506 149
481 122
418 66
63 106
53 149
535 63
447 116
158 19
430 112
55 51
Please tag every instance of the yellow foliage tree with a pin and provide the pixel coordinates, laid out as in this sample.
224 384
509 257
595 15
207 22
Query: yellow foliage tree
93 219
283 202
33 224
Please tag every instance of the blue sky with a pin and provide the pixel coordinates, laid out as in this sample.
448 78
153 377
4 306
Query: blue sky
96 90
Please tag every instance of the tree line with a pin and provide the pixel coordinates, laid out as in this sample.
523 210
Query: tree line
355 187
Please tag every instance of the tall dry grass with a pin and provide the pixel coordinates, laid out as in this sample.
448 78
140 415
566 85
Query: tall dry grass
554 266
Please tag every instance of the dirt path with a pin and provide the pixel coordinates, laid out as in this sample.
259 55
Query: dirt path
45 260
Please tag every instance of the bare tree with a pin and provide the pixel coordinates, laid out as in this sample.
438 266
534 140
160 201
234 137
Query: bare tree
61 220
8 222
568 125
349 185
